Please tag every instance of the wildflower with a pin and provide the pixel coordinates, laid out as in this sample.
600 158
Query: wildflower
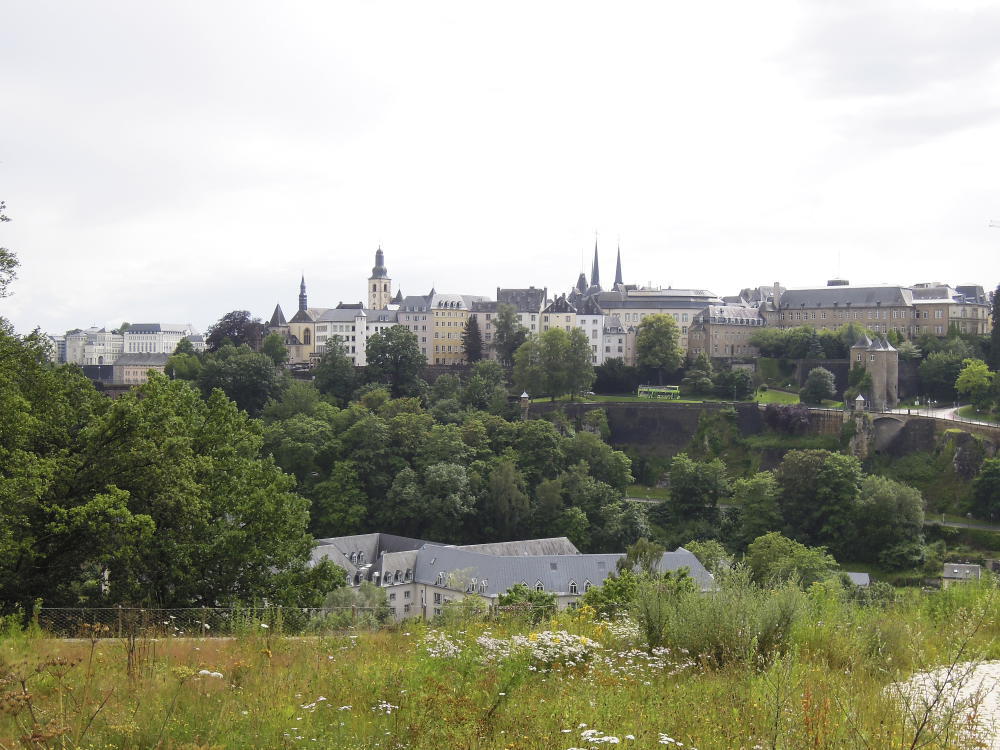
207 673
265 625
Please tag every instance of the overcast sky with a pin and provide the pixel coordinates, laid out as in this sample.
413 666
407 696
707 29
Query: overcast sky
174 161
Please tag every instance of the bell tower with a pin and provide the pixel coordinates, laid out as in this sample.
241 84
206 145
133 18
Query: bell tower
379 284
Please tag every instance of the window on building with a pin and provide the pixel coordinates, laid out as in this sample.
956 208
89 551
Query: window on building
539 586
406 594
437 597
572 587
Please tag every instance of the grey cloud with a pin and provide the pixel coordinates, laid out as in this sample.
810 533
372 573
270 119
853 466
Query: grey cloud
861 49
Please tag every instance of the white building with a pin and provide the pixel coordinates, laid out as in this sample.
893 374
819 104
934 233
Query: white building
160 338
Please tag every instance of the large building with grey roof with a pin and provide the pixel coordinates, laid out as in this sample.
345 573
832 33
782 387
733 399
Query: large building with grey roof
420 577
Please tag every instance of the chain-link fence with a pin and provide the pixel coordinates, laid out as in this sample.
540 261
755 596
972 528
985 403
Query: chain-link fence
203 622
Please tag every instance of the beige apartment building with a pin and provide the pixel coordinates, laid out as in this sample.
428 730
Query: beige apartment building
725 331
450 313
910 311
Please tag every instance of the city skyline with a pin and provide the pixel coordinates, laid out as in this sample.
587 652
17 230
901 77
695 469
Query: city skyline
175 163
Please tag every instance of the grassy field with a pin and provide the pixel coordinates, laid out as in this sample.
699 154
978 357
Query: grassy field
970 412
773 396
823 682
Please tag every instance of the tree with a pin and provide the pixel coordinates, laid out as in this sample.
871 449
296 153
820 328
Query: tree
339 503
394 358
656 344
698 378
890 519
529 373
274 347
757 497
643 557
505 505
508 334
614 376
577 363
696 487
184 346
335 374
938 374
485 389
472 340
537 605
710 553
8 260
555 363
247 377
976 381
736 383
819 493
986 490
157 497
819 386
615 595
237 328
774 559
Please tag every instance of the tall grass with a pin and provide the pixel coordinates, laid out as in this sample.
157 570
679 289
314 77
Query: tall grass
742 667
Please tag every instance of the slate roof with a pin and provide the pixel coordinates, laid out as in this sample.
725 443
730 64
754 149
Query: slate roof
309 315
856 296
558 545
555 572
339 549
415 302
649 298
560 305
961 572
732 314
525 300
277 318
340 315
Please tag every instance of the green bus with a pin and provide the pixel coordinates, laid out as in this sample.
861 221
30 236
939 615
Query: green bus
658 391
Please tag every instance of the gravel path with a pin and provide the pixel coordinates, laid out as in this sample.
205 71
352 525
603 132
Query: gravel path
966 689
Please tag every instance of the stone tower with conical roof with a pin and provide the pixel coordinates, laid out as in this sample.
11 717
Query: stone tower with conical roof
379 284
881 361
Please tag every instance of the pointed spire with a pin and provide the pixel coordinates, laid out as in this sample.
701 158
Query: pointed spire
277 318
379 271
618 267
595 272
303 302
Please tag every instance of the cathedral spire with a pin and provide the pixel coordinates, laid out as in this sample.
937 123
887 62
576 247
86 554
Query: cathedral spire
595 272
618 267
303 303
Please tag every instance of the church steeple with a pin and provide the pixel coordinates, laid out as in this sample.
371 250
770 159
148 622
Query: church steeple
595 272
618 268
379 284
303 303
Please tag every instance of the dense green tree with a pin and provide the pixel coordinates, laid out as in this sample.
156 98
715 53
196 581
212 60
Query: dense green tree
339 503
643 556
184 346
302 445
819 494
890 518
8 260
505 506
976 382
300 397
757 497
183 366
237 328
617 525
710 553
613 376
774 559
335 374
537 605
472 340
696 488
556 363
657 344
485 389
160 494
986 490
604 462
394 358
508 334
819 386
698 377
938 373
274 347
247 377
908 351
736 383
539 450
447 387
614 597
859 381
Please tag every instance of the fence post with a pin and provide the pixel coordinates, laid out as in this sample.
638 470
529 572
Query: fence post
119 621
354 614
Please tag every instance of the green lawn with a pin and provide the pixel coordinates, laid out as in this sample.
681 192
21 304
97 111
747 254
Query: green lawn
652 493
969 412
773 396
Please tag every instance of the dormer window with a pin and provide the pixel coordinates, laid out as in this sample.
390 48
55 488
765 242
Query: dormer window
440 580
539 586
586 586
572 587
482 586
